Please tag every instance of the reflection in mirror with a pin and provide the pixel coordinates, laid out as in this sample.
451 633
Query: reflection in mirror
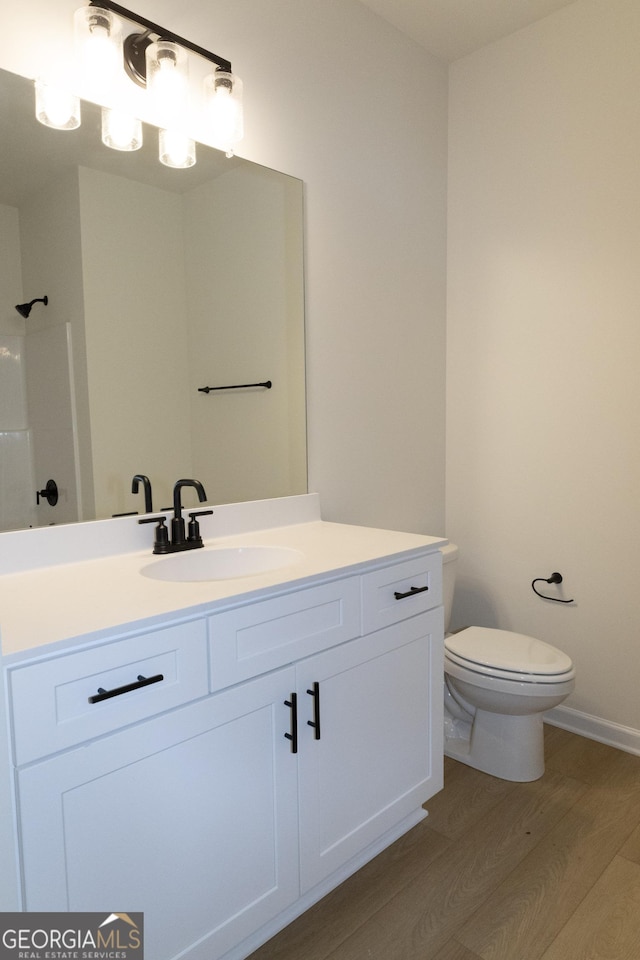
159 282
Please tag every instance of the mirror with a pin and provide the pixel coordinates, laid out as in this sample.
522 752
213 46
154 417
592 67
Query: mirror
160 282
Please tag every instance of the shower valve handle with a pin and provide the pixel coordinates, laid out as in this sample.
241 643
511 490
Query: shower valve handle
49 493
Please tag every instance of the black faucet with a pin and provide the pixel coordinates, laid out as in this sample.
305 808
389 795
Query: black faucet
146 483
177 523
178 540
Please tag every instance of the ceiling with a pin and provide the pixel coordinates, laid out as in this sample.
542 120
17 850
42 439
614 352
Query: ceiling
450 29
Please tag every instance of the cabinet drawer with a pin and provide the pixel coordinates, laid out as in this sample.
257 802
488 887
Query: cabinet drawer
380 605
263 636
52 709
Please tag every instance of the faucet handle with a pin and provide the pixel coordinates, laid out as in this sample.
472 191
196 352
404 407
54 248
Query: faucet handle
194 526
161 542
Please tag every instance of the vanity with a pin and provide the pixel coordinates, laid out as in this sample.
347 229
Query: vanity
217 753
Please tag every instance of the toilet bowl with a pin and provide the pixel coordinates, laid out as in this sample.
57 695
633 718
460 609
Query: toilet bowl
497 686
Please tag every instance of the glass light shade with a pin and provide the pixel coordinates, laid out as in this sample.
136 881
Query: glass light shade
98 37
167 81
56 108
120 130
223 97
176 149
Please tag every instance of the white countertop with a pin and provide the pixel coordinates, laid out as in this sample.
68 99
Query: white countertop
100 596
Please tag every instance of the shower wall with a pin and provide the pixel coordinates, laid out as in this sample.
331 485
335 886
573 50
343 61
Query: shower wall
38 437
51 406
16 473
15 443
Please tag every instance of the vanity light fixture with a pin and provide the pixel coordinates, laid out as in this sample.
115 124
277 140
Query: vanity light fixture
153 58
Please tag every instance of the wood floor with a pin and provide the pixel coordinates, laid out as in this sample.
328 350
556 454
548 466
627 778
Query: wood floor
548 870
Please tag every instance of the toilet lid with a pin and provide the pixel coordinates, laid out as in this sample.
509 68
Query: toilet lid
503 650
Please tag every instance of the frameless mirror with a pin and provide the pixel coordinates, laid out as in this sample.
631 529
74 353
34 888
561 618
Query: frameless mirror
160 283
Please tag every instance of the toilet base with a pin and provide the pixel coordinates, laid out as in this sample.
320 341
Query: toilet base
505 746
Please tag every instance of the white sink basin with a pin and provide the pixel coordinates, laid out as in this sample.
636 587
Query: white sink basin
221 563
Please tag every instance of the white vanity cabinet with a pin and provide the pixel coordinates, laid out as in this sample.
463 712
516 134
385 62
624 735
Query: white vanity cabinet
289 740
190 817
374 764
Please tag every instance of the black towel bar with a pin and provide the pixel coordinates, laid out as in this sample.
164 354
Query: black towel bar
236 386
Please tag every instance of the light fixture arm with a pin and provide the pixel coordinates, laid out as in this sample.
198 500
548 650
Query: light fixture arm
136 44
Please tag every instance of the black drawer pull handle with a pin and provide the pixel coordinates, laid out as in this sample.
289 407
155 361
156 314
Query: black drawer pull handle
103 694
410 593
315 723
293 736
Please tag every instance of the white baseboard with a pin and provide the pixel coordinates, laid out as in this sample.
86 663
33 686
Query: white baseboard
595 728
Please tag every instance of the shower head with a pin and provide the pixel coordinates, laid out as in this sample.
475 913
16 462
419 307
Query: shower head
24 309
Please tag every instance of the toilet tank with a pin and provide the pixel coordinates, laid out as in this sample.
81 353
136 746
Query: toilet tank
449 557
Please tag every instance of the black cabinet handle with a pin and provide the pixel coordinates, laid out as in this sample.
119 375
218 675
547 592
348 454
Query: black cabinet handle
103 694
293 736
410 593
315 723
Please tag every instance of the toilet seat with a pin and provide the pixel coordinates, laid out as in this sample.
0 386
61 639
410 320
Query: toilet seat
508 656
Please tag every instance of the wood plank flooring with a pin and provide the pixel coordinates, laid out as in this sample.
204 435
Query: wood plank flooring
548 870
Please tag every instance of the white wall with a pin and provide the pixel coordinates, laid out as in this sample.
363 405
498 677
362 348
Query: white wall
10 272
244 327
135 319
337 97
543 400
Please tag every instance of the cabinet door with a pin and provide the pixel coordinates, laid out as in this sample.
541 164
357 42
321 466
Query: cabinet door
190 817
379 756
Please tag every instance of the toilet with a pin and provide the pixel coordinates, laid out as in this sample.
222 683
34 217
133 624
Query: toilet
497 686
